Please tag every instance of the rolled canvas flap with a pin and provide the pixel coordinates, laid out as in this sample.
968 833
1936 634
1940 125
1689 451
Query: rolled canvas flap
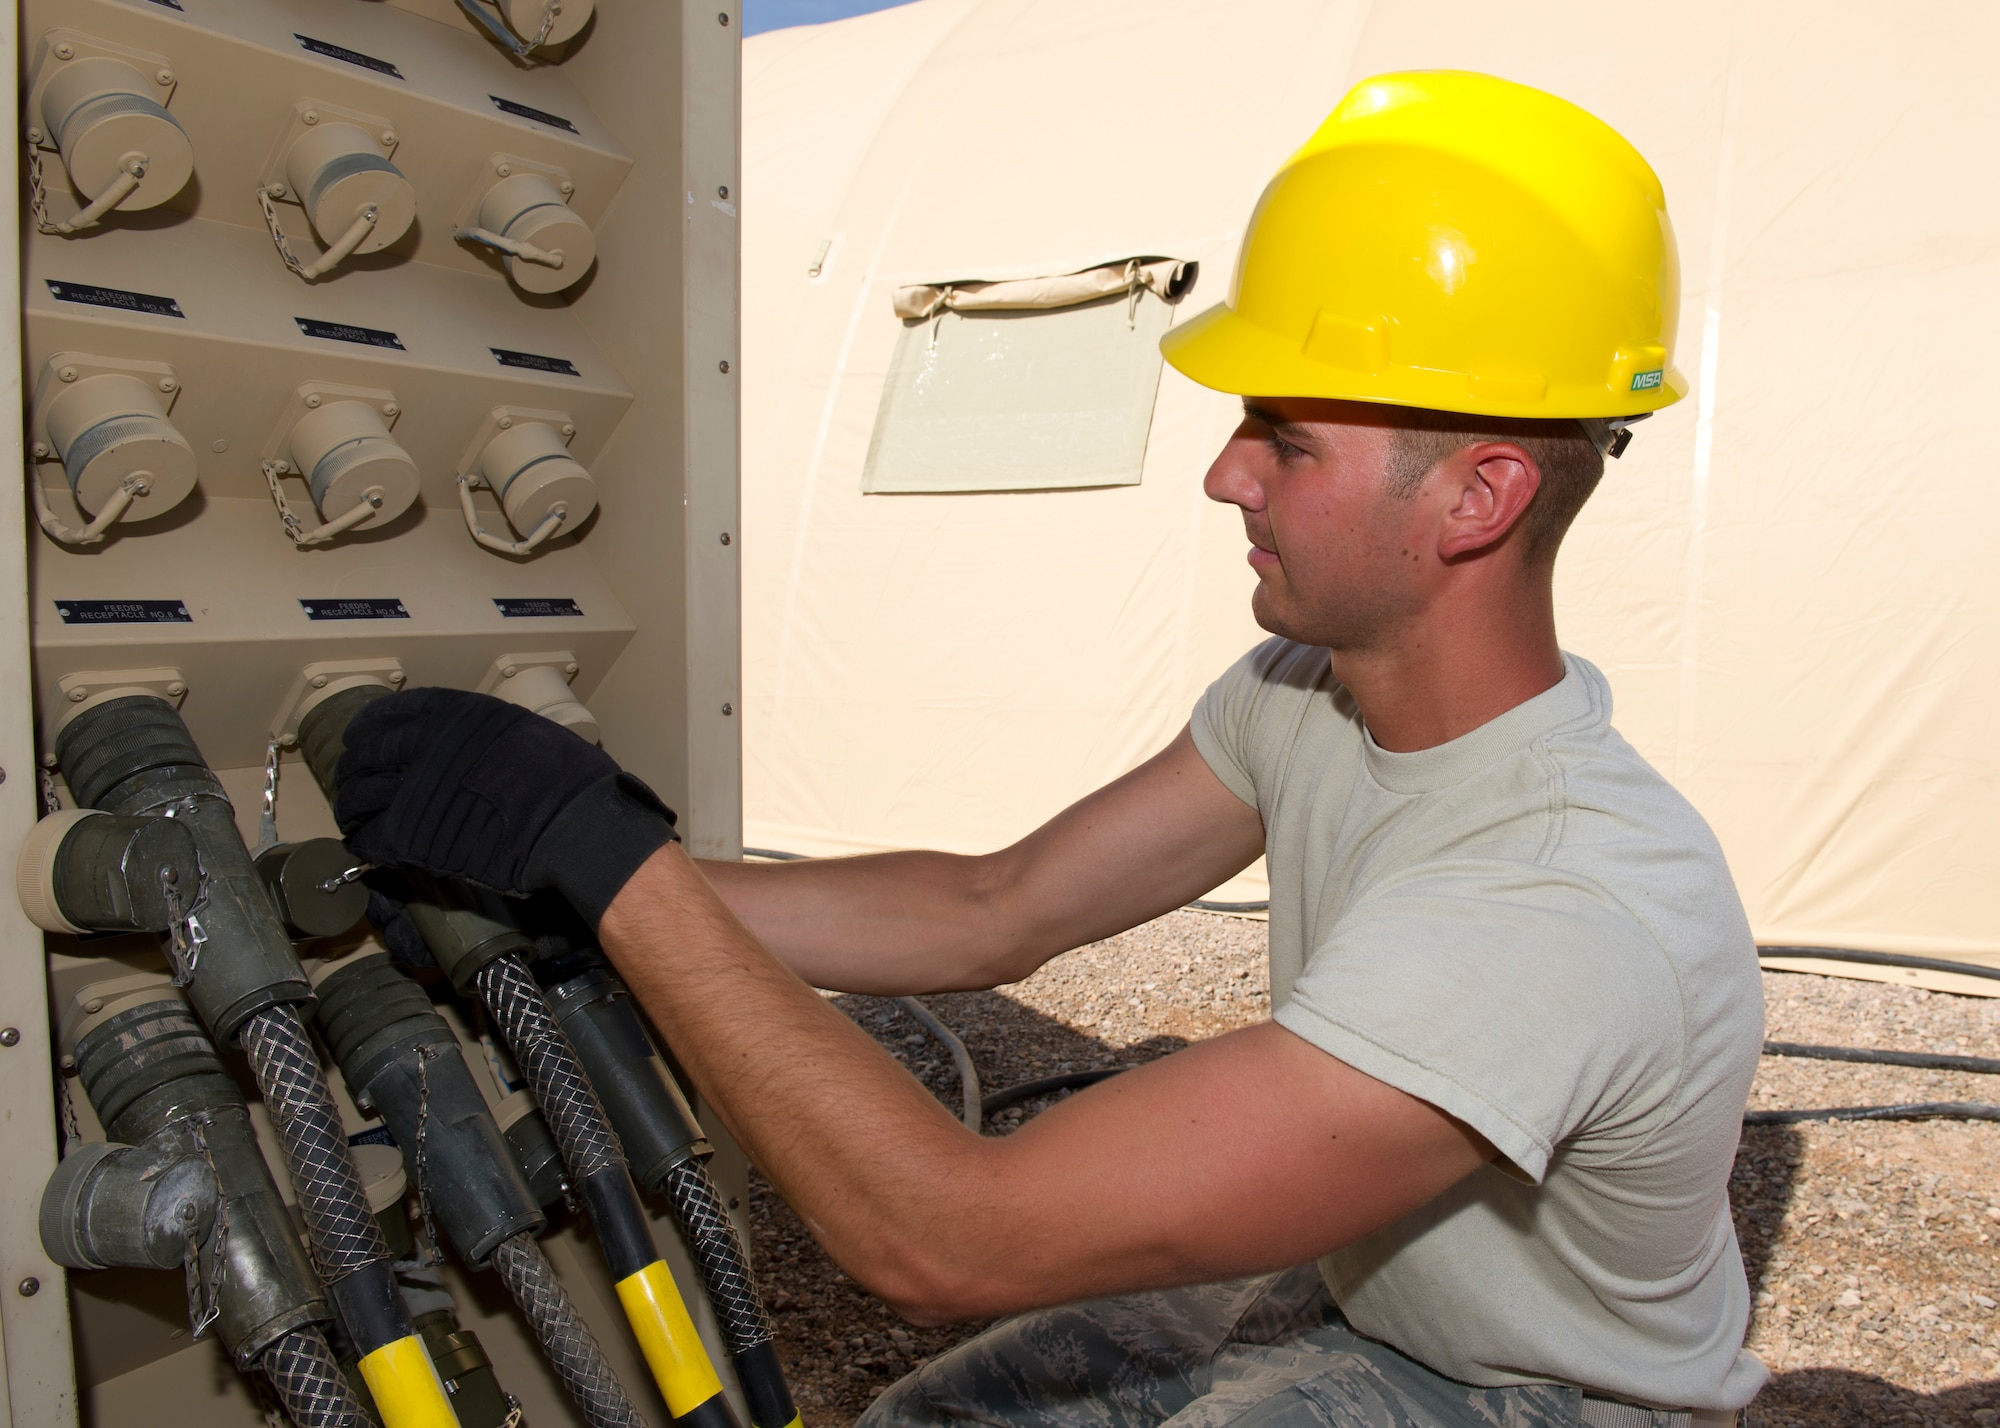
1166 278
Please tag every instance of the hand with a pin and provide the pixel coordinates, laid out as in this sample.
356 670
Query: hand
467 786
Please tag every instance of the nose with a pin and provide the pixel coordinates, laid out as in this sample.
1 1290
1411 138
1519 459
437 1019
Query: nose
1232 477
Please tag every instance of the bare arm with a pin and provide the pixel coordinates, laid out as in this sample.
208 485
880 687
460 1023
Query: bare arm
1250 1152
895 923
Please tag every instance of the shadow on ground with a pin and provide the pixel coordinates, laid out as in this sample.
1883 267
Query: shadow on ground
1825 1397
1760 1191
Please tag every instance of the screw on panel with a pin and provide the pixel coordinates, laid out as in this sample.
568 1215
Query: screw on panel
29 1287
277 190
397 676
570 670
168 384
725 537
509 672
390 409
67 374
77 696
722 366
728 709
388 138
65 50
41 450
177 689
504 170
722 192
10 1036
568 429
506 423
311 116
319 681
164 77
722 19
312 401
219 445
93 1006
566 188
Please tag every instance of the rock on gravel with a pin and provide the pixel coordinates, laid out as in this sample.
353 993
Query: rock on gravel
1873 1249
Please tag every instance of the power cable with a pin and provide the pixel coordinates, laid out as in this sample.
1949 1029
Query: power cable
968 1074
1048 1085
1882 959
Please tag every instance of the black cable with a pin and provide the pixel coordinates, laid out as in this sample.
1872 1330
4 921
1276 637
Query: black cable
1027 1090
1912 1111
1882 959
1921 1060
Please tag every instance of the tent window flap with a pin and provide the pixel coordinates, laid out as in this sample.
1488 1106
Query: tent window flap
1024 384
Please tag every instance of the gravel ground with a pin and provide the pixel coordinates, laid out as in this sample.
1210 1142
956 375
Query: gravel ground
1871 1247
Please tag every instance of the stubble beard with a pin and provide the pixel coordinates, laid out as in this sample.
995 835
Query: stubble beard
1360 616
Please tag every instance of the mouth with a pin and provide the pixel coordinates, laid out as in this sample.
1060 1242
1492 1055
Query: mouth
1261 557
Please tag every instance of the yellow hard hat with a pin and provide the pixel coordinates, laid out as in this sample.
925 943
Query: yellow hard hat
1452 241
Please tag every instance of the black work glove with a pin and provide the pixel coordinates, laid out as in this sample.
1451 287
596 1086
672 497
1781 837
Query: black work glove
468 786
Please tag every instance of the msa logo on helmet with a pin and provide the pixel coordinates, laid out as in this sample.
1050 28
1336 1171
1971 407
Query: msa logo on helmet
1646 381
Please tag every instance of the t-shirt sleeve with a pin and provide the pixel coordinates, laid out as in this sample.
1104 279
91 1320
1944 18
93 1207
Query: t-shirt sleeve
1520 999
1233 722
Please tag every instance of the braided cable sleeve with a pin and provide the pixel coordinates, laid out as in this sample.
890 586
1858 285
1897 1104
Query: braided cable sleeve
309 1382
556 1078
739 1310
343 1233
718 1256
565 1338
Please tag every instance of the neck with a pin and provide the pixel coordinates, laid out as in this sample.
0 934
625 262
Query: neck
1457 666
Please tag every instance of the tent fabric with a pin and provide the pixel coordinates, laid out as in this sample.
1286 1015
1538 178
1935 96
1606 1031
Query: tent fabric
1165 278
1784 579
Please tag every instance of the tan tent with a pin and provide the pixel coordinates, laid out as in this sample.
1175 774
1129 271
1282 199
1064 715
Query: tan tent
1790 579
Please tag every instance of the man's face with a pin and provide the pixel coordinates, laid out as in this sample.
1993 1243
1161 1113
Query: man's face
1340 561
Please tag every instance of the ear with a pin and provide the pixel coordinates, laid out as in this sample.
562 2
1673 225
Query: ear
1490 488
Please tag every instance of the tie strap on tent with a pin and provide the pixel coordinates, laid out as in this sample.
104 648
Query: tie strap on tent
1165 278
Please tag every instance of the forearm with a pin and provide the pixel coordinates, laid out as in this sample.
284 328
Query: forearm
897 923
888 924
853 1142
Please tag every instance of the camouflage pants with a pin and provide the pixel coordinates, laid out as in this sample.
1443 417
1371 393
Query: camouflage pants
1271 1352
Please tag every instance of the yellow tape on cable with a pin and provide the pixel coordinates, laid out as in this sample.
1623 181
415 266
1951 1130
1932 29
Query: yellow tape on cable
667 1337
406 1386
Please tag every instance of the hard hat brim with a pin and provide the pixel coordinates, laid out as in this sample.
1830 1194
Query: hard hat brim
1221 350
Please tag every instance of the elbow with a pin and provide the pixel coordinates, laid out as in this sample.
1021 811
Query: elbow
931 1295
993 894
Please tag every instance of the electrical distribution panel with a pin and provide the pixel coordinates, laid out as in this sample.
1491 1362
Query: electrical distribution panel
364 345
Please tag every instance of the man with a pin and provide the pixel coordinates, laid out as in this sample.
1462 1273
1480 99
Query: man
1474 1169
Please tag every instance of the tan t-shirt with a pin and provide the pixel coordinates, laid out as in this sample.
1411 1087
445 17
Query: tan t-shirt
1529 929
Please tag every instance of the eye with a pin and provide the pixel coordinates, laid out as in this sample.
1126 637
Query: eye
1283 449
